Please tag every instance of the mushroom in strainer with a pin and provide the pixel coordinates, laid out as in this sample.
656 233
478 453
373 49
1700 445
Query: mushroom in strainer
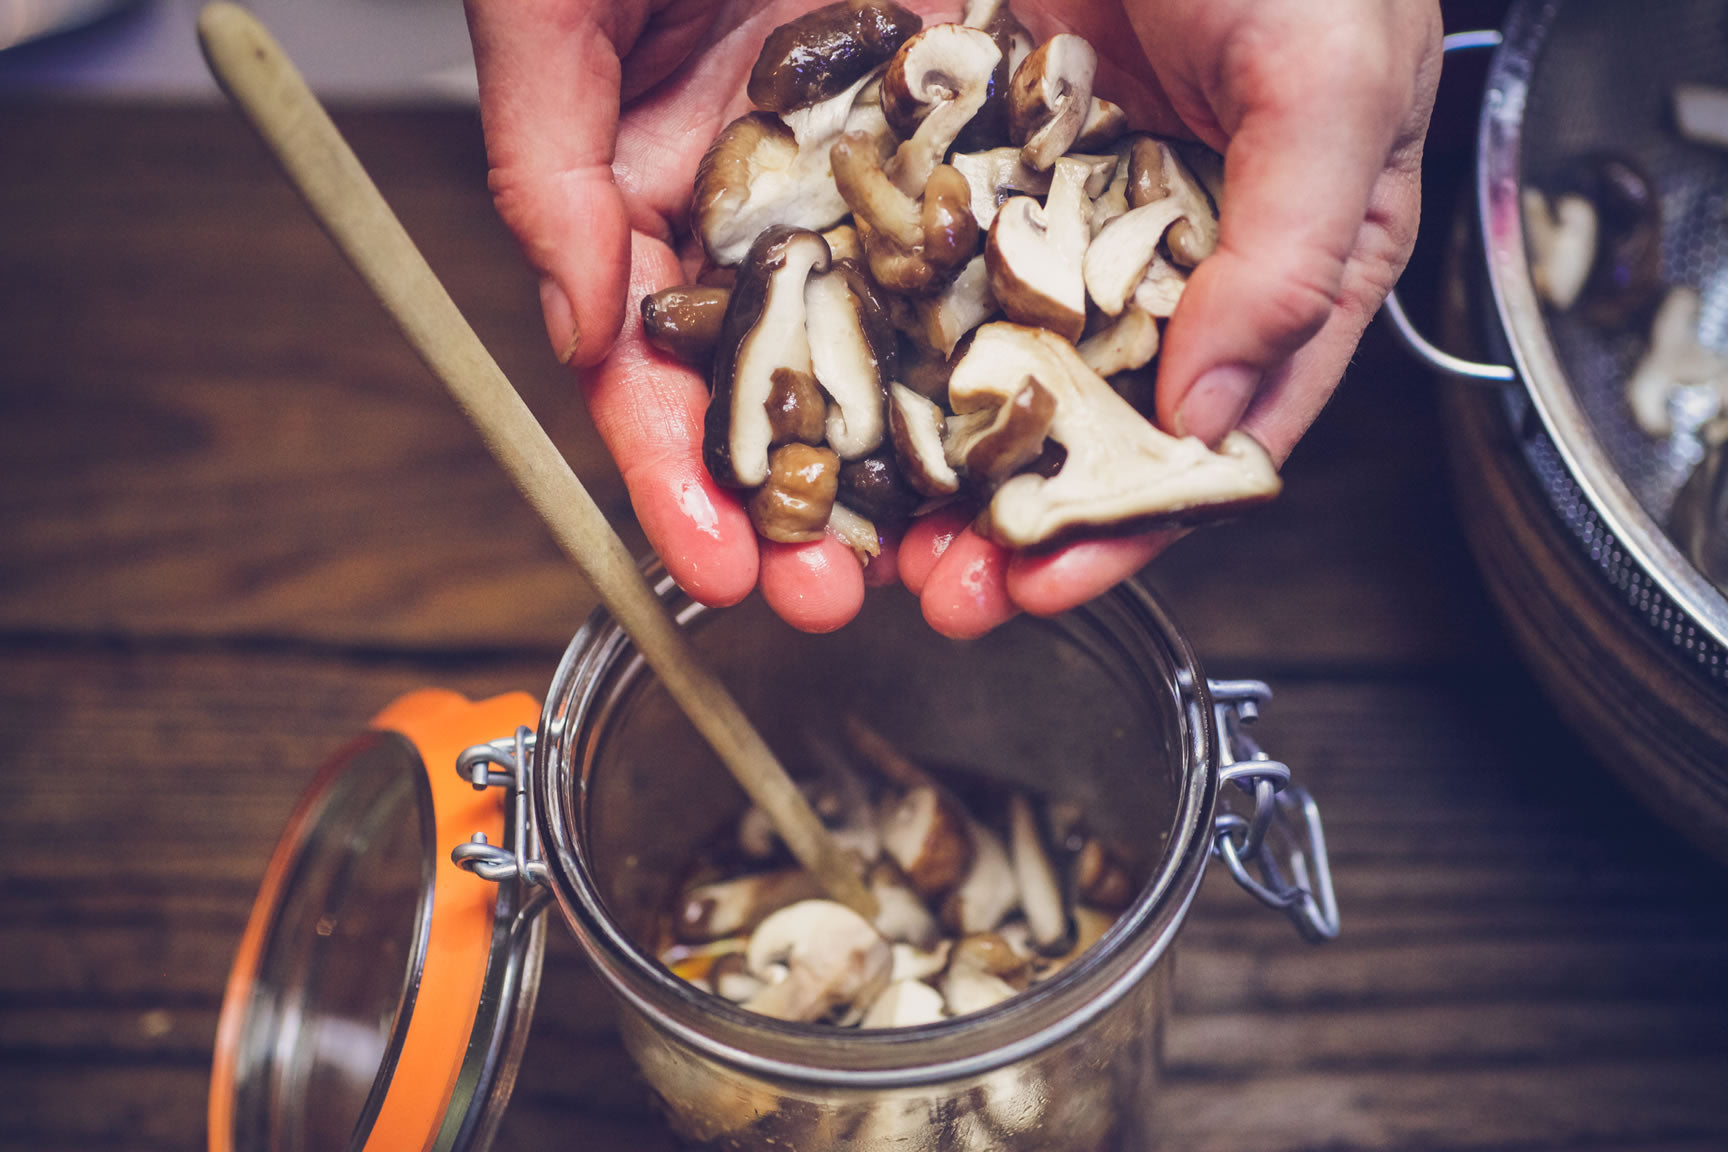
1049 98
763 332
1119 469
989 892
826 963
816 56
1562 239
902 917
1676 361
1035 253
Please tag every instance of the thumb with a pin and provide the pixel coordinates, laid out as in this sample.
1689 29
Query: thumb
549 98
1298 179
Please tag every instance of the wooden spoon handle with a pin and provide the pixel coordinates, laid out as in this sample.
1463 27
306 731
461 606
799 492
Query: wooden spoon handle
258 76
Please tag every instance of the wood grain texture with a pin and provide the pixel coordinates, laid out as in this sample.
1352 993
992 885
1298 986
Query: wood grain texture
240 520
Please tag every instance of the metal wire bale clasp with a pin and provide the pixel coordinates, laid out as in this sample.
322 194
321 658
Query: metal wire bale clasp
1277 851
503 763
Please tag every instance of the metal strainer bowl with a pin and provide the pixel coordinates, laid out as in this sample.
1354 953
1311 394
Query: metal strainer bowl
1637 652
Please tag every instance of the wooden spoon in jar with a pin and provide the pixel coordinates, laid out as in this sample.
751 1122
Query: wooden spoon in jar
258 76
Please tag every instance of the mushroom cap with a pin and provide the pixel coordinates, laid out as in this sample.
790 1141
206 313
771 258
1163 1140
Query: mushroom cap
1049 97
823 52
754 177
763 332
915 424
993 444
685 320
876 487
834 961
852 354
1120 471
941 76
1156 172
1035 254
1118 257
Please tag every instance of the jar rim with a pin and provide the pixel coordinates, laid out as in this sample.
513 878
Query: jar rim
828 1055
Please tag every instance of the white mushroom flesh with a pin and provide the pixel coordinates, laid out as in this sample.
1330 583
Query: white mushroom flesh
1119 467
834 962
844 364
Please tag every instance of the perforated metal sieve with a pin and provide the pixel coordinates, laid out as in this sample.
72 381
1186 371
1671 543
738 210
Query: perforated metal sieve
1569 79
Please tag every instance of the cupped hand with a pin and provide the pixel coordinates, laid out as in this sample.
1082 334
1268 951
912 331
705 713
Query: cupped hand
597 114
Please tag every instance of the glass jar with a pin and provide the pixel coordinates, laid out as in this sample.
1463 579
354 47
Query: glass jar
1104 708
411 1037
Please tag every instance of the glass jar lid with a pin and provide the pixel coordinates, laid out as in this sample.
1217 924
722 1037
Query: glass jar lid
380 995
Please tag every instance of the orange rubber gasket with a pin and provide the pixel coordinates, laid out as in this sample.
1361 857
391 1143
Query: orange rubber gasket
440 725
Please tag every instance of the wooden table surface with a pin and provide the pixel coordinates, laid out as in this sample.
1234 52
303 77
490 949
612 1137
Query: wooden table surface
240 518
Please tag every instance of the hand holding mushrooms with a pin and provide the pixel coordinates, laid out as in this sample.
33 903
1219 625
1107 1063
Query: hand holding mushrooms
861 290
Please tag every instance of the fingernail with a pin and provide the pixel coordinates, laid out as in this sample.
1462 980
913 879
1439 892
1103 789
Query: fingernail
561 326
1216 402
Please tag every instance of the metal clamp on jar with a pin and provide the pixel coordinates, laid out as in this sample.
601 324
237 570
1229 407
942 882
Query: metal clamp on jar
382 992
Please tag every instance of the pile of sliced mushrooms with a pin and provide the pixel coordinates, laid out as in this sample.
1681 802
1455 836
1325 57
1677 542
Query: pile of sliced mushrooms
973 905
936 267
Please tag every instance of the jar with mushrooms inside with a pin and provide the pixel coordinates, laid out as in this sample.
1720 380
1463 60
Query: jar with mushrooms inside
980 897
876 214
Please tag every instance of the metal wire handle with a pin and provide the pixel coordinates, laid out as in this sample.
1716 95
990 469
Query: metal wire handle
1277 850
503 764
1393 310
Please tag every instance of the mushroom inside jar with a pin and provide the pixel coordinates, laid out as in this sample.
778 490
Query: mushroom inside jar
980 894
874 216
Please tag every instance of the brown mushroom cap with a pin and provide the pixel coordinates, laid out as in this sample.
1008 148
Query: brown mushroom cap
755 176
1158 173
1119 470
1049 98
1035 254
821 53
792 506
915 423
994 443
685 320
763 331
940 78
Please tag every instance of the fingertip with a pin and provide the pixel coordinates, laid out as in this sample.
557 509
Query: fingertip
815 587
965 594
701 533
926 539
1049 583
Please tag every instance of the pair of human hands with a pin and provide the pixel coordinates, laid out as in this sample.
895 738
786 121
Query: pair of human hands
596 115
